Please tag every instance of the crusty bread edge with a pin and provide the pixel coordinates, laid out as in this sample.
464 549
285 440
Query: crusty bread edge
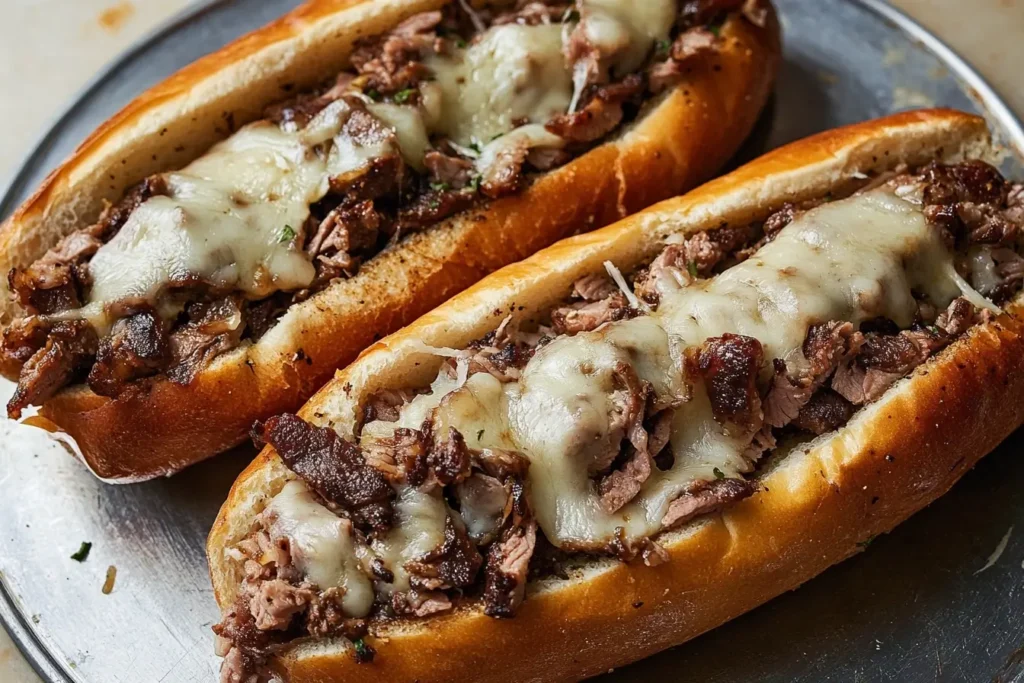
681 140
813 509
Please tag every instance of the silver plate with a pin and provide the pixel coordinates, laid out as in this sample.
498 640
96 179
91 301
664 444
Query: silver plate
909 609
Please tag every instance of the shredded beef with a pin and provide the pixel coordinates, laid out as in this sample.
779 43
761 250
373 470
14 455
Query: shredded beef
598 116
508 563
824 412
729 366
333 467
391 62
136 347
449 460
67 352
213 328
452 171
385 405
706 497
432 206
419 603
453 564
276 602
587 316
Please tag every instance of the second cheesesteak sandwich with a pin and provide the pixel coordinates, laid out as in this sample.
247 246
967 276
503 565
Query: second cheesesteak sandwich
812 348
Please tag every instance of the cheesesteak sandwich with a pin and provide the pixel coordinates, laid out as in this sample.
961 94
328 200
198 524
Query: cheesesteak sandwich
640 433
160 293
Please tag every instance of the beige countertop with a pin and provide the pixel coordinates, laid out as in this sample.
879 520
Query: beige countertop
50 48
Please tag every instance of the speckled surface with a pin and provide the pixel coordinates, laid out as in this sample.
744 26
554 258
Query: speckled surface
50 48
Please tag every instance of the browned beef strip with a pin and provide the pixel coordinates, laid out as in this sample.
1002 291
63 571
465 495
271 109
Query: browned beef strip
115 216
594 287
729 366
136 347
453 564
966 201
706 497
67 352
213 328
248 644
898 354
687 45
449 459
508 562
958 317
587 316
824 412
392 62
21 339
433 206
333 467
262 315
451 171
826 344
385 405
600 114
349 231
325 617
419 603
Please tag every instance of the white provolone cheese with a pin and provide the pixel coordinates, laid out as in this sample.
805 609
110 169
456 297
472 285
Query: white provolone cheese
418 528
322 546
853 259
510 75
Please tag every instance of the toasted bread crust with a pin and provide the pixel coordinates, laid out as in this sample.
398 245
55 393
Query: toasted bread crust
676 143
813 507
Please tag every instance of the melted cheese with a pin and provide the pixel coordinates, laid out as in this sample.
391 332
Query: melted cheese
322 546
510 74
852 260
625 31
418 529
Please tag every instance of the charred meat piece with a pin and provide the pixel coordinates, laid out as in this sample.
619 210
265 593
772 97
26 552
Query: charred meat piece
391 62
136 347
706 497
729 366
213 328
600 114
508 562
454 564
67 352
332 467
826 411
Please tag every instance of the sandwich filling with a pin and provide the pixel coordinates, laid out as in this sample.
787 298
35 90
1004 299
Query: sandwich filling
450 109
629 410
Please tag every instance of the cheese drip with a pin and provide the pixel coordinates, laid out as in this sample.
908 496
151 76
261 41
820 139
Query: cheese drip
853 260
228 218
322 546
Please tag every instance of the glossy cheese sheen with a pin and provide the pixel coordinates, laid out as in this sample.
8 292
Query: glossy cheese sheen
227 218
853 259
322 546
627 31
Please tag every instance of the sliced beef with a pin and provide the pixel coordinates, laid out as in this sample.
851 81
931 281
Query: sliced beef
687 45
21 339
419 603
453 564
729 366
449 459
601 114
826 411
958 317
587 316
392 62
532 14
213 328
276 602
452 172
969 203
433 206
630 399
347 233
508 563
706 497
333 467
115 215
67 352
136 347
385 405
671 266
